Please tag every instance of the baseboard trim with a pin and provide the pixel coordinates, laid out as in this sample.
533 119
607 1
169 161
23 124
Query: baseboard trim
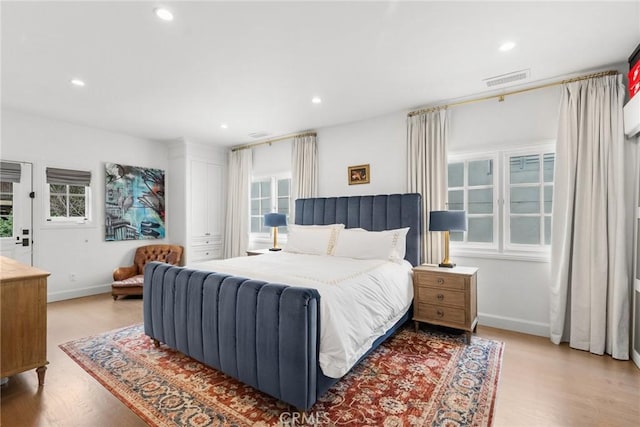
513 324
77 293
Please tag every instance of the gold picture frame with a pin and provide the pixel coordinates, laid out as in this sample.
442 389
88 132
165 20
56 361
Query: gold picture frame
358 174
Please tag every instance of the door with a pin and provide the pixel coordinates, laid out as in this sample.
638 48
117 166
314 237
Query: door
205 191
16 207
198 193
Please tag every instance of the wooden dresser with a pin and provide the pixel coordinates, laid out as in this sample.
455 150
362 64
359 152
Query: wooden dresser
23 299
446 297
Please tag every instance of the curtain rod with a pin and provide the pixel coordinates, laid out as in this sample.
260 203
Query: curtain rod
500 97
269 141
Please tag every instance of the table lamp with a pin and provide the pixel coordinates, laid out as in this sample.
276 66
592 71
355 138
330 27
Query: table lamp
447 221
275 220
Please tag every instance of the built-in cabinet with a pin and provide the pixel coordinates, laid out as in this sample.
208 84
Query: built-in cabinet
635 300
632 117
632 130
197 199
205 193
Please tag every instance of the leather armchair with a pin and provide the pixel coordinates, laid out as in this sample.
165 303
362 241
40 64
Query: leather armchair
129 280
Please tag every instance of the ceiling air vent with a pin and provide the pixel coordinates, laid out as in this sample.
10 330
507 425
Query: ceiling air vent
260 134
507 78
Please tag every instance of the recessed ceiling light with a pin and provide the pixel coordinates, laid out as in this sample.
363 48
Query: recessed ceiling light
163 14
507 46
77 82
316 100
224 125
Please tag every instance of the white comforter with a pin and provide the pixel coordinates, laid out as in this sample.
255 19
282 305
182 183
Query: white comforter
360 299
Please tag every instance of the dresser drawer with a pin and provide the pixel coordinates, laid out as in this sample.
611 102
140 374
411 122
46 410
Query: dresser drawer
441 296
439 313
206 240
434 279
202 253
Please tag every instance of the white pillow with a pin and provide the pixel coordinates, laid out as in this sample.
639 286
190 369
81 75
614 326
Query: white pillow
362 244
312 239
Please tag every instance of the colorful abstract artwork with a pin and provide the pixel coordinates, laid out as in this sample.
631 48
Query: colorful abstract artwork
134 205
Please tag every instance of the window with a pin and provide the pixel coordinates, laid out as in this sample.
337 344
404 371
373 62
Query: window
269 194
68 201
6 209
529 198
507 196
471 188
67 195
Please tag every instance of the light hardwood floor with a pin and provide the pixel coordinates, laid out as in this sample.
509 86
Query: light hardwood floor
541 384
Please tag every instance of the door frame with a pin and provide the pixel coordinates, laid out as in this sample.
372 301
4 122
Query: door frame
28 205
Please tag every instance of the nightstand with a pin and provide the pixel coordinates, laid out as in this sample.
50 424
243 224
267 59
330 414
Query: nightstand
253 252
446 297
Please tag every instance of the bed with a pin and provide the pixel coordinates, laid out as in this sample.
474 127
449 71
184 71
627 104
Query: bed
266 334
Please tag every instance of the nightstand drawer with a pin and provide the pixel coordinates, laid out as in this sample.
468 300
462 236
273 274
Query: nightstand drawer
441 296
439 280
441 314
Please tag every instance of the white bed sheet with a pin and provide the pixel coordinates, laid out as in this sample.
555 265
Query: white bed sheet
360 299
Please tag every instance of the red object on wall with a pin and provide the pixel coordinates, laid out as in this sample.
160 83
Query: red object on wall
634 74
633 90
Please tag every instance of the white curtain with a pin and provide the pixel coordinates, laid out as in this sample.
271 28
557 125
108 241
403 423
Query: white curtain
236 234
427 172
591 264
304 169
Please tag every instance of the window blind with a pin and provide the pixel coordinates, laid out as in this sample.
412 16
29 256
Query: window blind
68 177
10 172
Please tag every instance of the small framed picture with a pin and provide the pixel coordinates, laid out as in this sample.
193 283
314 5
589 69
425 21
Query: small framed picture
358 174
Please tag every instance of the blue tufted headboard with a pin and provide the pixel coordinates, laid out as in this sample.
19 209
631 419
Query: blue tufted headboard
374 213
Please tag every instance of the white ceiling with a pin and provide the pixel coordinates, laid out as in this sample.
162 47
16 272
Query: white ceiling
256 65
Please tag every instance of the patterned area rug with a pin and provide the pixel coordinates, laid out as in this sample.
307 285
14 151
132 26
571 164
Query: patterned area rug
413 379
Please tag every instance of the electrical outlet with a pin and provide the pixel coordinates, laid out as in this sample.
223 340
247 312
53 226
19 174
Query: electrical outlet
72 277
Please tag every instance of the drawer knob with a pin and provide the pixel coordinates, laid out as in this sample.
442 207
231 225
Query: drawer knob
440 313
440 297
440 280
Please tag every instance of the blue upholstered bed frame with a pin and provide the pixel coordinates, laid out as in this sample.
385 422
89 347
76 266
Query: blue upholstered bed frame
264 334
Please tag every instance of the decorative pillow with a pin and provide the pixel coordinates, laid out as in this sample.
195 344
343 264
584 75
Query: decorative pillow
362 244
312 239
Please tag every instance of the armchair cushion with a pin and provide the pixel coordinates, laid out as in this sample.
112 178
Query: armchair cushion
136 280
129 280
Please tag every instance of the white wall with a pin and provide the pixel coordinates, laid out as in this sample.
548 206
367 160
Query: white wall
512 294
379 142
81 249
271 159
518 120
